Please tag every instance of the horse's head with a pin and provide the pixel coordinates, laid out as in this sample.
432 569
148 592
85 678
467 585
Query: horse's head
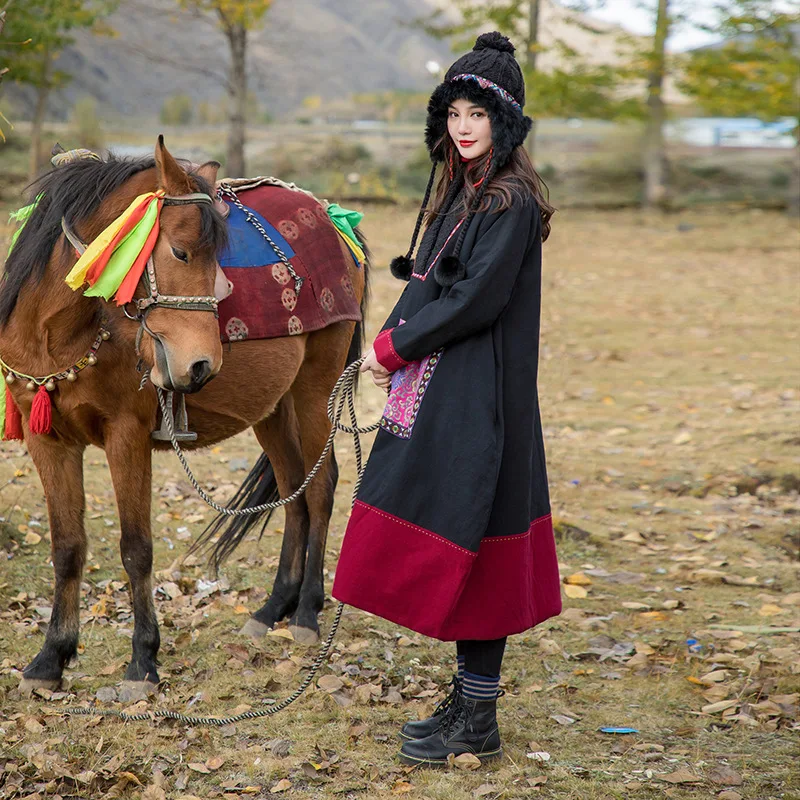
184 350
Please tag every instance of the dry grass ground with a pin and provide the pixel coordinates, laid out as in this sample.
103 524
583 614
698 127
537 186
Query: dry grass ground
669 393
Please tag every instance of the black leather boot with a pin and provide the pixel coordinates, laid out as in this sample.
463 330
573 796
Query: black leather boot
468 726
419 729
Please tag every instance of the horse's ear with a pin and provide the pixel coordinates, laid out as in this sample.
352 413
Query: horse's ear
208 171
171 177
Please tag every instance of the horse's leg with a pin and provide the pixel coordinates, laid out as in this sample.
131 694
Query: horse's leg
326 352
127 445
60 469
279 435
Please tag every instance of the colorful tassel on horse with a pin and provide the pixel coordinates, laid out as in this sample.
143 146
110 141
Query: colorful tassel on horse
41 419
13 424
21 217
109 258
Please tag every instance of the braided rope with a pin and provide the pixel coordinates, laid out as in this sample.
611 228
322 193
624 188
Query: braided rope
346 385
234 198
343 393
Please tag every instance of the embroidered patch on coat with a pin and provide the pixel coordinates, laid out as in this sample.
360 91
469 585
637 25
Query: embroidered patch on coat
409 384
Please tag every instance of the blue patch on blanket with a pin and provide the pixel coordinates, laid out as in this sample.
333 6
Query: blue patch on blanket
246 246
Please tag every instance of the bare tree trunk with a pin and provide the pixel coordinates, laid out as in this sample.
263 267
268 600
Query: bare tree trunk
42 92
237 90
793 202
655 158
533 47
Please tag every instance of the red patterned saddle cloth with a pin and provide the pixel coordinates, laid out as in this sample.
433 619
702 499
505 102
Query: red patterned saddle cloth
265 302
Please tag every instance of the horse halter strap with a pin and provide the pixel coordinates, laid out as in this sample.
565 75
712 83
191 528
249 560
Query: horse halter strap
155 298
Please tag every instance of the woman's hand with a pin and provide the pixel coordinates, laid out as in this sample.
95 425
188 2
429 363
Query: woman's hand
380 375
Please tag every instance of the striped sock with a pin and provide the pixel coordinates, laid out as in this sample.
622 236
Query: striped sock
480 687
460 661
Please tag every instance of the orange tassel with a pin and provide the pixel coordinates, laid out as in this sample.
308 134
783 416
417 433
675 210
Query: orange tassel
41 418
13 418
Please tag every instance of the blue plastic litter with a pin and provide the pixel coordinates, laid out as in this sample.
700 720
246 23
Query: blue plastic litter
618 730
694 646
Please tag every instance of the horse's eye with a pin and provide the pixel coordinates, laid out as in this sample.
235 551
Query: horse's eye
181 255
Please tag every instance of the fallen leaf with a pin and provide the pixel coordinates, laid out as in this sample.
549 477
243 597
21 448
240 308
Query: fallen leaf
539 756
578 579
330 683
281 786
722 705
680 776
281 633
714 677
467 761
402 787
215 763
575 592
484 789
725 776
196 766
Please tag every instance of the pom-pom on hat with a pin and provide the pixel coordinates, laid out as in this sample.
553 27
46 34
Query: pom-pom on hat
489 76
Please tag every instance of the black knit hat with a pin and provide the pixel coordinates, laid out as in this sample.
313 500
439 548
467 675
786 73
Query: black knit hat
488 76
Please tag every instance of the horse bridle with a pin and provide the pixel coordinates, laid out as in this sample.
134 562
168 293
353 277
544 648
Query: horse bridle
144 305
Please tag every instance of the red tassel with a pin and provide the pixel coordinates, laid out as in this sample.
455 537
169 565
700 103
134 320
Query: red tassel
13 418
41 417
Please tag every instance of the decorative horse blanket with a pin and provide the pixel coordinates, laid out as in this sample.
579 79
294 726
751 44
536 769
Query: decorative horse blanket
265 302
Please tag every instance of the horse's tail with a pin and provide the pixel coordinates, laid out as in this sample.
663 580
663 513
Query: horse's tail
257 488
359 333
260 485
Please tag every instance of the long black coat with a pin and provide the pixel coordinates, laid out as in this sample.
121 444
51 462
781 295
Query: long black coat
451 535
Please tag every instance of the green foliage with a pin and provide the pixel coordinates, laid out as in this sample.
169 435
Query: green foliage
756 72
582 91
579 90
86 126
177 110
37 30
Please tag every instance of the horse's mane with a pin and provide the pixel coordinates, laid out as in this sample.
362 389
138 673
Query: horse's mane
75 191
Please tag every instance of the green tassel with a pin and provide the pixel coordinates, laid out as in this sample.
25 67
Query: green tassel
21 217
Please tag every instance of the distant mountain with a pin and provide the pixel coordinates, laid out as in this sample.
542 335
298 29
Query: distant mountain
330 48
306 47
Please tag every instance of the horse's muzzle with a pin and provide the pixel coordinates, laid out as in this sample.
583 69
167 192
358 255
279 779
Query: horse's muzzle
200 372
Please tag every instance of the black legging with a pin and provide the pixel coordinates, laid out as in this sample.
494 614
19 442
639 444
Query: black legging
482 657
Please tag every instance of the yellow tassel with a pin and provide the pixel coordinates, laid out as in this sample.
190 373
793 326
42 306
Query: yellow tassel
77 275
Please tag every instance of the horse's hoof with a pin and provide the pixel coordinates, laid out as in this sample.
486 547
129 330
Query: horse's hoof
134 691
254 628
27 686
304 635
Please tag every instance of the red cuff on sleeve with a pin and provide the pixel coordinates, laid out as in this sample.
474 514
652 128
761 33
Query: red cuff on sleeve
385 352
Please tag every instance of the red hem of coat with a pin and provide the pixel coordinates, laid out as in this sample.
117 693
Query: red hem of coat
385 353
422 581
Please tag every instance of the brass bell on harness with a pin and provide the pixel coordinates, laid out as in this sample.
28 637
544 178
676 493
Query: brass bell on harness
72 376
91 359
30 386
50 385
10 378
105 336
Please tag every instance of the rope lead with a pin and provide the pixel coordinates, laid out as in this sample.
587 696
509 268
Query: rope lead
343 393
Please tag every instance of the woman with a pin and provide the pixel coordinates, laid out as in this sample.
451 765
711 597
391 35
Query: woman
451 534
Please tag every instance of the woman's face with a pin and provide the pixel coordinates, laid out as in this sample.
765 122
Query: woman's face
469 127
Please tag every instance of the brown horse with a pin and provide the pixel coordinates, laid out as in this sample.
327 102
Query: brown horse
45 327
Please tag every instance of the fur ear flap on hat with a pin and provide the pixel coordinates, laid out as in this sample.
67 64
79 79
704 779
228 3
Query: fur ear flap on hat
449 270
401 267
